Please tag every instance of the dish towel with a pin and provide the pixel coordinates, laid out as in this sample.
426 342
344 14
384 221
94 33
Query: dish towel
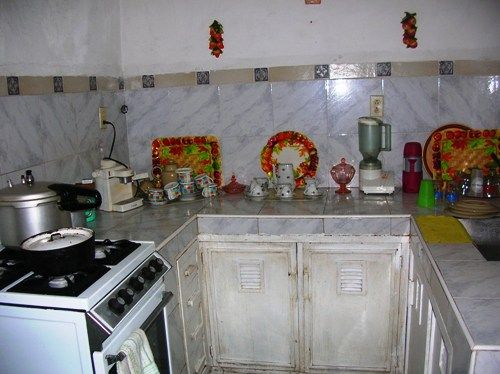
442 229
138 356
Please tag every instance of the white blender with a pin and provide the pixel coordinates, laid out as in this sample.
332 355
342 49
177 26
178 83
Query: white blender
372 180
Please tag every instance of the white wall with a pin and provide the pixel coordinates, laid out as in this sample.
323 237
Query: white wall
83 37
161 36
60 37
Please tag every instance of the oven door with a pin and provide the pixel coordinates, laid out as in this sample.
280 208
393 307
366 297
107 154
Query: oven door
151 316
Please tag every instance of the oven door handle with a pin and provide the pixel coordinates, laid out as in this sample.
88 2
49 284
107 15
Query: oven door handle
166 297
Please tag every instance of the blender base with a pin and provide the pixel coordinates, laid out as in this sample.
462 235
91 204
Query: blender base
384 184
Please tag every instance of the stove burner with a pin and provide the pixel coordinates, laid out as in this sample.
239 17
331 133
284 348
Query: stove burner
113 251
62 282
101 252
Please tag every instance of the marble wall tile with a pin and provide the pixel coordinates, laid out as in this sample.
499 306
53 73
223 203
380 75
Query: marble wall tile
188 233
481 315
470 100
15 176
461 346
64 170
280 226
411 104
241 156
227 226
293 208
356 203
455 252
230 206
357 226
20 143
347 100
171 250
246 109
300 106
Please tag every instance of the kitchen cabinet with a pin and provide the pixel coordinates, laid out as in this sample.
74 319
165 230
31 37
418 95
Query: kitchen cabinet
252 303
351 303
303 306
189 274
428 346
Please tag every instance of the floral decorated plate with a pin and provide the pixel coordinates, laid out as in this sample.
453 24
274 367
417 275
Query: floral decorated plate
290 147
453 148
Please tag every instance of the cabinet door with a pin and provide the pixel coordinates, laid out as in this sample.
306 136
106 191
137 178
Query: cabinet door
351 306
417 323
252 303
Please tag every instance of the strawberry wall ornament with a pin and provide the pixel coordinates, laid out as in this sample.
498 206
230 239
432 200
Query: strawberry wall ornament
216 42
409 24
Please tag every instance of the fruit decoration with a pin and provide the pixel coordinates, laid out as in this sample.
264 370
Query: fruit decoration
409 24
216 42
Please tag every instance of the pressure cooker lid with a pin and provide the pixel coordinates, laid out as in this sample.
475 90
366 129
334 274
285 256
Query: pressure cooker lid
23 192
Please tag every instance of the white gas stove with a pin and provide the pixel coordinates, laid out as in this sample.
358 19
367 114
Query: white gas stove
103 303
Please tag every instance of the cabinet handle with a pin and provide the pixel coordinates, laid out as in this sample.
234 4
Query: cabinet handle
190 270
194 334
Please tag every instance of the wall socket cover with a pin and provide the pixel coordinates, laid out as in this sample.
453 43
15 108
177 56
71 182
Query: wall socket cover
103 116
377 105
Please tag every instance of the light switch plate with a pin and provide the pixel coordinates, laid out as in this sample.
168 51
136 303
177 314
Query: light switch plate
377 105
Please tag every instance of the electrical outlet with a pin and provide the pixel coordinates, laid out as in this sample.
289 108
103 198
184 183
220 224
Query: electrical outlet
377 105
102 117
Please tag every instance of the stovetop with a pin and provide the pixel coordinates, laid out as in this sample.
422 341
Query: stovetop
80 290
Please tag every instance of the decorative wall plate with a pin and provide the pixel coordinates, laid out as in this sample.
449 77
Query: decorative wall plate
290 147
453 148
202 153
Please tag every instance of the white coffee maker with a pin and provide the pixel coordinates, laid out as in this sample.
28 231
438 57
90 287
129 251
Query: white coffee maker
114 183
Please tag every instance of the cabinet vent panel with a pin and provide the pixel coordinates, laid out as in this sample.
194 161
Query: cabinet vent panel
251 275
351 278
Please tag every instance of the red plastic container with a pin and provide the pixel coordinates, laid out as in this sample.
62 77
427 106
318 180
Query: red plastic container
412 172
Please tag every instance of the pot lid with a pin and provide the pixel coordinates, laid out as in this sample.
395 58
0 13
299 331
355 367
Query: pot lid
57 239
23 192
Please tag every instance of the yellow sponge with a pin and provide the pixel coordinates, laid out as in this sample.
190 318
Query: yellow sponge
442 229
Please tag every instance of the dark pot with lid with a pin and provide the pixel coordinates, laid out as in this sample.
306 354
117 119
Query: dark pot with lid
60 252
27 210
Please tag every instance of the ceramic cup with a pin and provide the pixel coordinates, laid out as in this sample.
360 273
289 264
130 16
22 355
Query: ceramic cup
156 196
172 190
188 188
284 190
311 187
426 194
210 190
184 175
262 181
203 180
256 190
284 174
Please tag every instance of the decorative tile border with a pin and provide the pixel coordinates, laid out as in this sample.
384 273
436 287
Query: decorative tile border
30 85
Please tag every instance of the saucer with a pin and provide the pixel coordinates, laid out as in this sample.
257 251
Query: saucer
256 197
319 194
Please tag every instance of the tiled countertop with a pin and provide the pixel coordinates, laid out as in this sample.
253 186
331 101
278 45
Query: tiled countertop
472 282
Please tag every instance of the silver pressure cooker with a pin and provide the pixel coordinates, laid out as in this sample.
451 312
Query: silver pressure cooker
30 209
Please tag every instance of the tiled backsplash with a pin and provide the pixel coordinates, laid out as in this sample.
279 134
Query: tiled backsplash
57 135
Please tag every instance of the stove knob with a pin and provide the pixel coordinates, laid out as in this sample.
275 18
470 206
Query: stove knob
148 272
127 294
137 283
157 264
117 305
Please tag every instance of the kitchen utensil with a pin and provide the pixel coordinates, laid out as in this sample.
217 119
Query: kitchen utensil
202 180
290 147
29 210
172 190
202 153
61 251
426 194
210 190
284 190
412 172
342 174
454 148
374 137
234 187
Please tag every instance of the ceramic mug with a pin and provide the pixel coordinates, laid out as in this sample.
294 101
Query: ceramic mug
284 174
184 175
203 180
284 190
256 190
311 189
210 190
172 190
156 196
262 181
188 188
